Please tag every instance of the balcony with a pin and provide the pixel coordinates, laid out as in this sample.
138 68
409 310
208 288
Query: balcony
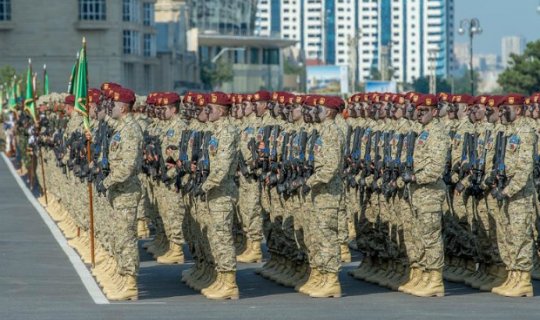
92 25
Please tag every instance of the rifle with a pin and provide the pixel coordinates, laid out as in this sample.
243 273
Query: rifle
310 164
478 170
183 169
298 164
273 164
501 177
377 163
286 167
203 167
366 167
447 175
264 153
408 169
347 151
392 171
195 153
355 158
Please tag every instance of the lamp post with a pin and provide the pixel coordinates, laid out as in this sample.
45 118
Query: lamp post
472 26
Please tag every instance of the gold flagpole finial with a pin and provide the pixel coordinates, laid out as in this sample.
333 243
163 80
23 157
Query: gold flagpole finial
44 66
29 61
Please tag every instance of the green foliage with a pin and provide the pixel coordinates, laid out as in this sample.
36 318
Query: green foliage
375 74
214 75
523 75
6 75
462 84
422 85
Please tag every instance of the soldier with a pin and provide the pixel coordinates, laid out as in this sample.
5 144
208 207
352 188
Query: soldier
322 191
426 193
249 206
123 191
462 260
514 190
218 193
171 209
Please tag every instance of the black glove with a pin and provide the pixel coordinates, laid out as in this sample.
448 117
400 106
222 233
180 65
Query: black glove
101 188
460 187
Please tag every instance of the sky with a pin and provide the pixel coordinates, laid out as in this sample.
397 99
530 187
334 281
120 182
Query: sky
498 18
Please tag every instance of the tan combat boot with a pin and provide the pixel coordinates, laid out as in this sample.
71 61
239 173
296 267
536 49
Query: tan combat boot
128 291
345 253
415 275
507 284
175 255
142 229
431 285
252 254
522 286
302 281
215 283
225 289
329 286
313 281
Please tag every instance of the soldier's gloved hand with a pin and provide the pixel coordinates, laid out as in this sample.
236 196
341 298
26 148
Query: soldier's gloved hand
100 187
498 194
454 178
460 187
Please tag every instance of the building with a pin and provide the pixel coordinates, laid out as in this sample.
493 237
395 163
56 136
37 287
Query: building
121 39
401 39
511 45
225 36
179 65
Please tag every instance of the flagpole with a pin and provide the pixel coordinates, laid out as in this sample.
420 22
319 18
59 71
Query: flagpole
41 160
90 190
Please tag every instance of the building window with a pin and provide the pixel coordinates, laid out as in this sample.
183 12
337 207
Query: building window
149 49
130 10
148 14
88 9
254 56
5 10
131 42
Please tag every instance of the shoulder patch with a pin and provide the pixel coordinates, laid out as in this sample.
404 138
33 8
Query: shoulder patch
170 133
422 138
213 145
117 137
514 142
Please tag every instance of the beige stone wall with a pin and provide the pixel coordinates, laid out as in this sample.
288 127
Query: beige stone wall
48 31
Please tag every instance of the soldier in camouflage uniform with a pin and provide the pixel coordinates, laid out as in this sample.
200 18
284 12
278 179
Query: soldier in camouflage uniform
515 191
426 193
123 191
249 206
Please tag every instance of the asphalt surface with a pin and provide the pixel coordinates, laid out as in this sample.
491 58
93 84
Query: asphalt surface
37 281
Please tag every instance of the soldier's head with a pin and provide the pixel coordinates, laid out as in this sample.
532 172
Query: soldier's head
354 107
293 111
445 99
69 102
200 104
478 111
492 108
460 108
398 107
218 106
532 105
260 102
512 107
169 104
123 102
426 107
241 105
94 97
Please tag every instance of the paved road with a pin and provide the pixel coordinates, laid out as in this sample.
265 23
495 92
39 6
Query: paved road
37 281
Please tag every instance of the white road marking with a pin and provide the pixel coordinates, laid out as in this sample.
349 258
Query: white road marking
88 281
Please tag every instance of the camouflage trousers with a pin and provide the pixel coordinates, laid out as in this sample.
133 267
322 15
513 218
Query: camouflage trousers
124 200
218 208
324 244
427 204
172 212
515 231
249 209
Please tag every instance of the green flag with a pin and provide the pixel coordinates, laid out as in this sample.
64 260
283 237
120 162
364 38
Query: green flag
72 77
81 86
45 80
29 99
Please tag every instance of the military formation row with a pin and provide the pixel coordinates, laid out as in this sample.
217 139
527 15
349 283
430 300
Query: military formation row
424 186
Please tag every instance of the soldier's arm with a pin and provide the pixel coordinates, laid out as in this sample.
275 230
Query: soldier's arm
123 162
224 159
174 141
520 163
327 163
429 165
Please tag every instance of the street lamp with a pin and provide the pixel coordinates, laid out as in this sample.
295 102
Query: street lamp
472 26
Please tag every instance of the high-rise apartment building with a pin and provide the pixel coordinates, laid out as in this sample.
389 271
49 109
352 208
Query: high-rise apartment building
511 45
402 39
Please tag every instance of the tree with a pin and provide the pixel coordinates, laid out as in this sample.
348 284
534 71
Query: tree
523 75
6 75
462 84
214 75
375 74
421 85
